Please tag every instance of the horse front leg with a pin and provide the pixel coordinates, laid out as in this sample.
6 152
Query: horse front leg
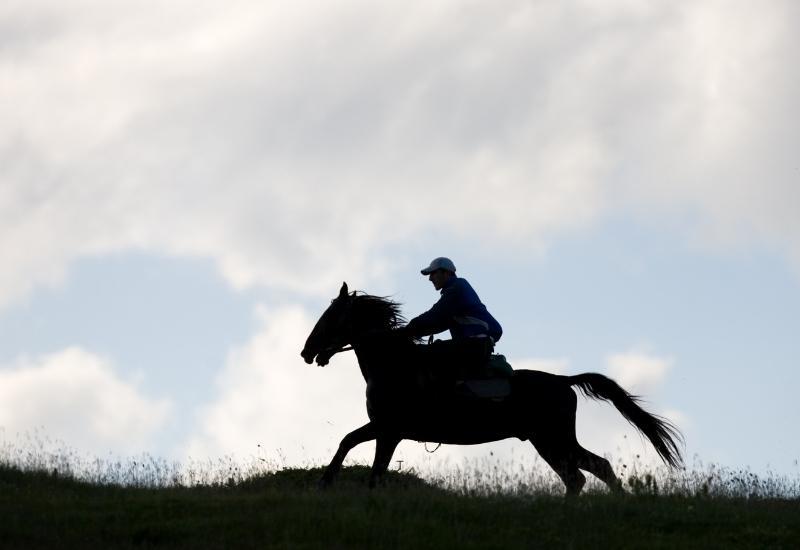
364 433
384 449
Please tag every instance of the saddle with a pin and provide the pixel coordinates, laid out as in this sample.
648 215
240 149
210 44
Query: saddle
495 385
492 380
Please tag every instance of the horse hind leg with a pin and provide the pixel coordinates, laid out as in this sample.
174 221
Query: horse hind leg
558 454
600 468
556 441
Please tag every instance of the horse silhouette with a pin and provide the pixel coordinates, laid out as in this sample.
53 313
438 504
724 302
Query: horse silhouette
540 408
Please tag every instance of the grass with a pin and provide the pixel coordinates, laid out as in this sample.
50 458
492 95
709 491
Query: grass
56 500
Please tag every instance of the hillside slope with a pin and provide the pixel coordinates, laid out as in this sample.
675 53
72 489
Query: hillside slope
285 510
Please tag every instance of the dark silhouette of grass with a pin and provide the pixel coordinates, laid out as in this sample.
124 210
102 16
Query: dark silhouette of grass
42 508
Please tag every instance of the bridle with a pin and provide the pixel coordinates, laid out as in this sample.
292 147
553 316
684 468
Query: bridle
333 351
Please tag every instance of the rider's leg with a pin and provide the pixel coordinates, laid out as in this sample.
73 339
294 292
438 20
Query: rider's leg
473 356
446 357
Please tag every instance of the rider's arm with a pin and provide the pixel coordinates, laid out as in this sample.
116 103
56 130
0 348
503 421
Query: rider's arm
438 318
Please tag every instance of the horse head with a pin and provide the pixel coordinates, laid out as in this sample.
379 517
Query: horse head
352 318
332 332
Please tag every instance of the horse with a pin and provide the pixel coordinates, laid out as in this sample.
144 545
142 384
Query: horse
540 408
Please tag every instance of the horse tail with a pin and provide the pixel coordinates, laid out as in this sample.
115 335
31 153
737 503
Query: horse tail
662 433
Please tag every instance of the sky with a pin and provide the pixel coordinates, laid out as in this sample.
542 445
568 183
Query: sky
185 185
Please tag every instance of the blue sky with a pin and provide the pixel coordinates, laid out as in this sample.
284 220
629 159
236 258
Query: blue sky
183 190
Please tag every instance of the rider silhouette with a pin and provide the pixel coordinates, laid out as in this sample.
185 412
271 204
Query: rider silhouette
472 328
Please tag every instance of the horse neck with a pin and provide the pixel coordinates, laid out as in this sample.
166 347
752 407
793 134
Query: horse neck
368 352
362 356
369 355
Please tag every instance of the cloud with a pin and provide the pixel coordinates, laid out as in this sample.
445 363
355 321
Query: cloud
638 372
295 145
271 404
77 397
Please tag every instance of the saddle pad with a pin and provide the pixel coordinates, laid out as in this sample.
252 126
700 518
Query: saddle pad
493 388
498 366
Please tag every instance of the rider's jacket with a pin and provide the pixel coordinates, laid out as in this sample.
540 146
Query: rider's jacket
459 310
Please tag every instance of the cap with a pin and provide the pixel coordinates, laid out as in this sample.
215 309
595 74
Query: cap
440 263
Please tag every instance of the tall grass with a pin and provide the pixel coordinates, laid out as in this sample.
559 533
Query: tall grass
488 476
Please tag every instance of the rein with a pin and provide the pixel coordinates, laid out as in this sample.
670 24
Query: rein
425 444
331 351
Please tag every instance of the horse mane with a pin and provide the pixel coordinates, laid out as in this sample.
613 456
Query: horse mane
378 311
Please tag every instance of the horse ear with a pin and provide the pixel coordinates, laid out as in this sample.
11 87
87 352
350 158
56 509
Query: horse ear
343 291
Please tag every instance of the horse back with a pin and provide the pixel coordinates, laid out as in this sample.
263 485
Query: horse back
534 387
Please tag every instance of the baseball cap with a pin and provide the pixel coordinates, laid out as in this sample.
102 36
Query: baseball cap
440 263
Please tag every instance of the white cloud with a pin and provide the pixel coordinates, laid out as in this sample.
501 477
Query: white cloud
293 144
638 372
269 397
77 397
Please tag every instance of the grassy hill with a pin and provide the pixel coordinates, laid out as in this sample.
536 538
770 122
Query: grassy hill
285 510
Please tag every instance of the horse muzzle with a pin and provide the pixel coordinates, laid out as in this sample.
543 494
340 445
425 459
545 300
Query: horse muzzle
307 356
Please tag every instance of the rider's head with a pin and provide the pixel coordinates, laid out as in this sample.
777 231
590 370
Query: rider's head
440 271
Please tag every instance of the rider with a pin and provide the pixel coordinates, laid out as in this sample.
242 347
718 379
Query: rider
473 329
